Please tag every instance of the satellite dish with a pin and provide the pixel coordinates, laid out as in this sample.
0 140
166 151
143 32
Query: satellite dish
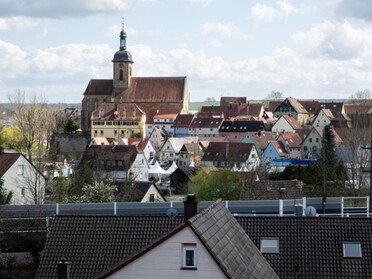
310 211
172 212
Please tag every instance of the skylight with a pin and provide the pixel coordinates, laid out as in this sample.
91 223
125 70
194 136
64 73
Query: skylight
269 245
352 249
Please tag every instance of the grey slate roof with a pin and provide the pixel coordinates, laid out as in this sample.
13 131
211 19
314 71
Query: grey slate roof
95 243
230 246
311 247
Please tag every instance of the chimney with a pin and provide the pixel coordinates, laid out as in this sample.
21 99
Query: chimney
63 269
191 207
282 193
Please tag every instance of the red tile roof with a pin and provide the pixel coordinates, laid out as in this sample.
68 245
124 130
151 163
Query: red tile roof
293 122
99 87
183 120
154 111
107 111
354 109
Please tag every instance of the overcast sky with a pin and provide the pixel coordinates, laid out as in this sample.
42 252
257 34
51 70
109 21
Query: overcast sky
305 49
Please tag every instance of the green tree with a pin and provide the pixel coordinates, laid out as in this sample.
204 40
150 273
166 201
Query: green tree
97 192
221 184
71 126
5 197
58 191
12 138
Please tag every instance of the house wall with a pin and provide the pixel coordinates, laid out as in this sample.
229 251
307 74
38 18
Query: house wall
270 153
149 152
204 132
253 160
23 185
282 125
165 260
294 152
116 129
139 170
167 154
233 137
312 143
157 140
321 120
152 191
181 132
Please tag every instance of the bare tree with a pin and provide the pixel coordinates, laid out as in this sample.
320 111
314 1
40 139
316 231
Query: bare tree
361 97
33 118
351 152
273 96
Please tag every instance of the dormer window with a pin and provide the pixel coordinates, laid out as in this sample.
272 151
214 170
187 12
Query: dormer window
352 249
189 256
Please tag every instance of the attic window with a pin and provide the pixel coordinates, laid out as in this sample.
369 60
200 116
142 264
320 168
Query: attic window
269 245
189 256
352 249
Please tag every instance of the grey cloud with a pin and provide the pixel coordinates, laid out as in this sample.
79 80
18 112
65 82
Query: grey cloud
361 9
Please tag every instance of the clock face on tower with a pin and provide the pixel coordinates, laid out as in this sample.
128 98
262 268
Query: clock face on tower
121 65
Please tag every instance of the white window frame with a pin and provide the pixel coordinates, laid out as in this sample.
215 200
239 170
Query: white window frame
21 169
185 249
344 248
264 248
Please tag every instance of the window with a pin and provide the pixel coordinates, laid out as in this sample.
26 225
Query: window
189 255
352 249
269 245
317 139
310 140
23 192
101 132
20 169
121 75
95 132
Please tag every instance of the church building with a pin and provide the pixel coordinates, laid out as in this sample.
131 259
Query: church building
117 107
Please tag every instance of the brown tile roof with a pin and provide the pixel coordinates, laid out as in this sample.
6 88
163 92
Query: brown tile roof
169 115
142 145
273 105
154 111
230 111
299 108
271 189
225 101
354 109
310 106
99 87
293 122
206 123
293 139
255 110
328 113
7 160
183 120
107 111
279 147
320 129
262 139
155 89
95 154
227 152
143 89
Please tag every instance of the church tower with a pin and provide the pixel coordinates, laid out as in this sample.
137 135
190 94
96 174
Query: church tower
122 64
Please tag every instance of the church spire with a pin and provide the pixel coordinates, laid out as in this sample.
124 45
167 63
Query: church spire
123 36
